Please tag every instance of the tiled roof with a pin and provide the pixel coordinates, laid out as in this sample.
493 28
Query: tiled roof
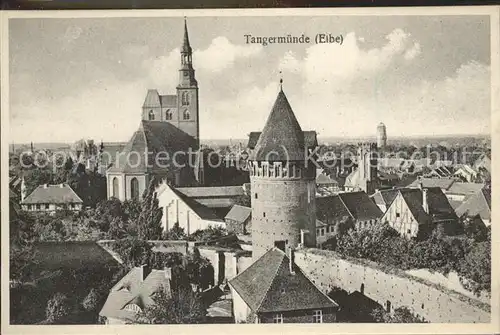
168 100
53 194
465 188
443 183
132 289
384 197
310 139
152 99
356 205
239 213
479 203
202 211
282 138
268 286
153 137
439 206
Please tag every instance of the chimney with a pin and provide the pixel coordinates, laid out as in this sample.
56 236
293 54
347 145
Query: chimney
145 271
425 203
168 272
45 186
291 259
420 185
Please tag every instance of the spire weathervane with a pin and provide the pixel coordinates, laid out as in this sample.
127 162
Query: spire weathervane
281 81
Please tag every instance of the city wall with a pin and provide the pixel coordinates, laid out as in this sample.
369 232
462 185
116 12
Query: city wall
435 304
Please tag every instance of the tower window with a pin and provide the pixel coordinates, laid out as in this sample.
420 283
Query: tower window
256 196
151 115
169 114
185 98
186 115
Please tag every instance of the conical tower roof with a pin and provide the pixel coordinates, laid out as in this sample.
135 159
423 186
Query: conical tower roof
186 47
282 138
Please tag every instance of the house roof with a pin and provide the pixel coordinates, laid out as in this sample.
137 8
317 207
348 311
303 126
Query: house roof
323 179
53 194
132 289
465 188
356 205
153 137
239 213
212 192
384 197
282 138
479 203
268 286
442 183
439 206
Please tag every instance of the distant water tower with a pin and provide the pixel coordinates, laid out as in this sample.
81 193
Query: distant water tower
381 136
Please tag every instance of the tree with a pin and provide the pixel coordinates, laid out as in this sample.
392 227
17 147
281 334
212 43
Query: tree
175 233
181 306
400 315
476 266
209 234
58 308
133 251
198 270
91 301
149 223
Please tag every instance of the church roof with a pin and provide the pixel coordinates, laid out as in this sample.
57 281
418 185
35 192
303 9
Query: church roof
268 286
169 100
152 99
152 138
186 47
282 139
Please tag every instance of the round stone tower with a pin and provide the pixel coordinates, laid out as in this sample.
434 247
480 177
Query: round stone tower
283 187
381 136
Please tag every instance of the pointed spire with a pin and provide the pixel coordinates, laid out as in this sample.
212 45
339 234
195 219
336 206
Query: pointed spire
281 81
185 44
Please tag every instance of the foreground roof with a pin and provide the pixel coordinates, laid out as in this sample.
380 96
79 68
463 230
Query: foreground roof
439 206
356 205
133 289
53 194
282 139
268 286
152 137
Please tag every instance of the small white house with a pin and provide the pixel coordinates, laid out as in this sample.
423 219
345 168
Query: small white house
50 198
179 208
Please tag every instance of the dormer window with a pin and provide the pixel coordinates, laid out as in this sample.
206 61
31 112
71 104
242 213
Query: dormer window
151 115
169 115
186 115
133 308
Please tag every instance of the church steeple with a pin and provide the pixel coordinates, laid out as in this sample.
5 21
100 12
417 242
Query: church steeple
186 72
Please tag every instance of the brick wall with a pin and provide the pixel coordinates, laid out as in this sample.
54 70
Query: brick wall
327 270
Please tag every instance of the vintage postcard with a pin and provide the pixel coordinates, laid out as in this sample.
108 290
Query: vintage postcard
231 169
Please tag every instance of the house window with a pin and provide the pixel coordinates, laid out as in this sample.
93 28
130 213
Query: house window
278 318
134 188
47 206
256 196
115 187
408 231
318 316
151 115
37 206
169 114
398 215
322 231
186 115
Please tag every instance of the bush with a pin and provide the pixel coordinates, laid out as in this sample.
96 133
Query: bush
58 308
91 301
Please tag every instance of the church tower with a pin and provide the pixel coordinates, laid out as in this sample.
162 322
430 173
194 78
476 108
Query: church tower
187 91
283 188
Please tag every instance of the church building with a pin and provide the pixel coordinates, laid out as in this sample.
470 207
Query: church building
168 131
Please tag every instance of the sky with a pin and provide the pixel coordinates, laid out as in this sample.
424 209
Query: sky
88 77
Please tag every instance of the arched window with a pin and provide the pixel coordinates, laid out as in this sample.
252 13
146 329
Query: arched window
169 114
151 115
115 187
185 98
134 188
186 115
133 308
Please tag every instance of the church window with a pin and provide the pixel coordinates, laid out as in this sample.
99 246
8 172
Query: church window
115 187
256 196
134 188
185 98
169 114
151 115
186 115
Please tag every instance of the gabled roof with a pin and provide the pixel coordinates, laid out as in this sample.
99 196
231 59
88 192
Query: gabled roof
439 206
443 183
465 188
202 211
268 286
384 197
239 213
282 138
168 100
53 194
356 205
153 137
132 289
479 203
